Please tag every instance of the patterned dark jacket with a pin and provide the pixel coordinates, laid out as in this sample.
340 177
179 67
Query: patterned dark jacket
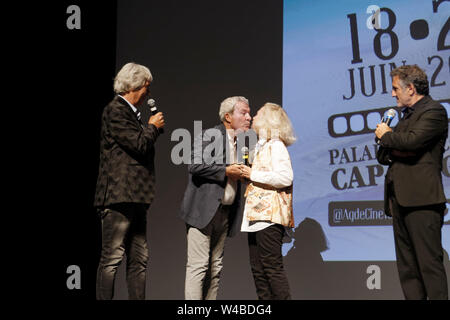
126 169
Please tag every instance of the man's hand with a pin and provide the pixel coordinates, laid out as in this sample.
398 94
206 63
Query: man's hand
233 171
157 120
381 129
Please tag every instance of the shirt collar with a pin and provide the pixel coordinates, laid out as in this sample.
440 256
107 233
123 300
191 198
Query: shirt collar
418 104
231 139
262 141
131 106
407 110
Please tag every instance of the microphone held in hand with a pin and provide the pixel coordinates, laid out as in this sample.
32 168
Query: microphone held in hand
244 151
152 104
390 115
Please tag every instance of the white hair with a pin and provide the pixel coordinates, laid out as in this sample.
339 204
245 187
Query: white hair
227 105
132 76
273 122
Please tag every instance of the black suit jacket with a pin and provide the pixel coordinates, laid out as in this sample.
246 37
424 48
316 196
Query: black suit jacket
206 184
126 169
416 176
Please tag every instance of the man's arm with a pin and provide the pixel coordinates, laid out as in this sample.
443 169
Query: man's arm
129 135
423 133
383 156
215 170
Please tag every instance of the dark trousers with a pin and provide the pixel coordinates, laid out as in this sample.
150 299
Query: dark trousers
418 247
123 232
266 261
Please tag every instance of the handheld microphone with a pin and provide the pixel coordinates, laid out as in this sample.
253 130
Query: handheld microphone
390 115
152 104
244 152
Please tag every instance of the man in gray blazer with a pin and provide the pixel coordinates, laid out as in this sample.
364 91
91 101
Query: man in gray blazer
414 194
212 204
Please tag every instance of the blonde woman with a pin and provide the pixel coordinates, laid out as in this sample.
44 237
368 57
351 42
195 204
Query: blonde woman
268 208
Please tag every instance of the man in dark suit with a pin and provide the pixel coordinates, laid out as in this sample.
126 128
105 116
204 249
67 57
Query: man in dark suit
414 193
212 203
126 182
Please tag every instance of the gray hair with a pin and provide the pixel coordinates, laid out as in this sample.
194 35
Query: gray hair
132 76
412 74
227 105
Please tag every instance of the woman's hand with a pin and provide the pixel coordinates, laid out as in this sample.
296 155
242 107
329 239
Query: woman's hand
245 172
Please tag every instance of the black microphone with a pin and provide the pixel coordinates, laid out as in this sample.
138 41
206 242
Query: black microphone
244 152
390 115
152 104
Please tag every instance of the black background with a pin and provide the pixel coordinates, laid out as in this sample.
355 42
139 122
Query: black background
69 77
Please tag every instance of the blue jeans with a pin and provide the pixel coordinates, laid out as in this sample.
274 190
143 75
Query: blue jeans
124 231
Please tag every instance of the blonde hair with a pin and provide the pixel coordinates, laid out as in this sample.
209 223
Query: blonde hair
227 105
273 122
131 77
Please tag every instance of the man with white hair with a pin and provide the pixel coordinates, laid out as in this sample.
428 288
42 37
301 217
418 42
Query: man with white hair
212 204
126 182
